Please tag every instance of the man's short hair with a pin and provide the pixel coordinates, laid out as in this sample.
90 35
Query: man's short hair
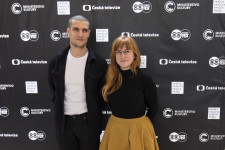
78 17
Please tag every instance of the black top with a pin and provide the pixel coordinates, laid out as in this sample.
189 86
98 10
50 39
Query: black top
135 94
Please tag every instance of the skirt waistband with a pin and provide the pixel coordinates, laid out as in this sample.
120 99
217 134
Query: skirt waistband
133 120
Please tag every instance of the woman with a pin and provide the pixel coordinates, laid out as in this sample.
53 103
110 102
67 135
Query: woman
128 91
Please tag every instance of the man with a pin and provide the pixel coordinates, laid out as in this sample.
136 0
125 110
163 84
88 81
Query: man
76 77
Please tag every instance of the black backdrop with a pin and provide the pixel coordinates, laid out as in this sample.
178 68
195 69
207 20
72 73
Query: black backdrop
182 47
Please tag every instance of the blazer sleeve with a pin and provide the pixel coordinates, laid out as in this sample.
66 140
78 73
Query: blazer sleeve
50 79
150 94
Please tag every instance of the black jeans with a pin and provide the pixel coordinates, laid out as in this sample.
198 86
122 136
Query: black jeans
76 135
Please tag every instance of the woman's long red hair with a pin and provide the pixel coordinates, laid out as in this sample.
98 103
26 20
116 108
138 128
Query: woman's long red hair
113 76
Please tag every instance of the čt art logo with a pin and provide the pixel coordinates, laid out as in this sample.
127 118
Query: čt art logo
217 62
39 135
178 137
144 7
181 34
29 35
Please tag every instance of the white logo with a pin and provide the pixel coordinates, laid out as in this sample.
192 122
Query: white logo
170 6
63 8
180 34
16 8
204 137
139 7
102 35
86 7
200 88
168 113
208 34
214 113
144 35
181 137
15 62
31 87
25 35
215 62
55 35
32 35
163 61
4 112
125 34
177 87
25 112
39 135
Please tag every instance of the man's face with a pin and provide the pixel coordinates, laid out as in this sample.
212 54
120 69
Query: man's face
79 33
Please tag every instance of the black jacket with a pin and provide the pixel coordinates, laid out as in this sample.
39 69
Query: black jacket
94 77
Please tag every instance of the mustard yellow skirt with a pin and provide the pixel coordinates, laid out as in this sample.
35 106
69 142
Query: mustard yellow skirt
129 134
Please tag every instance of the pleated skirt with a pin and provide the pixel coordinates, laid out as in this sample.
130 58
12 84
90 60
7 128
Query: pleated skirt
129 134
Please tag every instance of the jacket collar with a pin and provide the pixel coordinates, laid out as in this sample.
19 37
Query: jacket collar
91 55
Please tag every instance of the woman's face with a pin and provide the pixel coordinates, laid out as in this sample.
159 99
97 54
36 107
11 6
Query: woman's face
124 58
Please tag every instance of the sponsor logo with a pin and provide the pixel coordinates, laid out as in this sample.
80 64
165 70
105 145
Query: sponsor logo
5 86
63 7
217 62
170 6
96 8
214 113
144 35
177 87
169 113
4 111
39 135
56 35
144 7
4 36
25 112
208 34
106 112
180 35
143 61
17 62
205 137
29 35
218 6
102 35
9 135
178 137
179 62
209 88
31 87
17 8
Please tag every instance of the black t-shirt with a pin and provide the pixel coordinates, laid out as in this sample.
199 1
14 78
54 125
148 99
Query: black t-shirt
135 94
